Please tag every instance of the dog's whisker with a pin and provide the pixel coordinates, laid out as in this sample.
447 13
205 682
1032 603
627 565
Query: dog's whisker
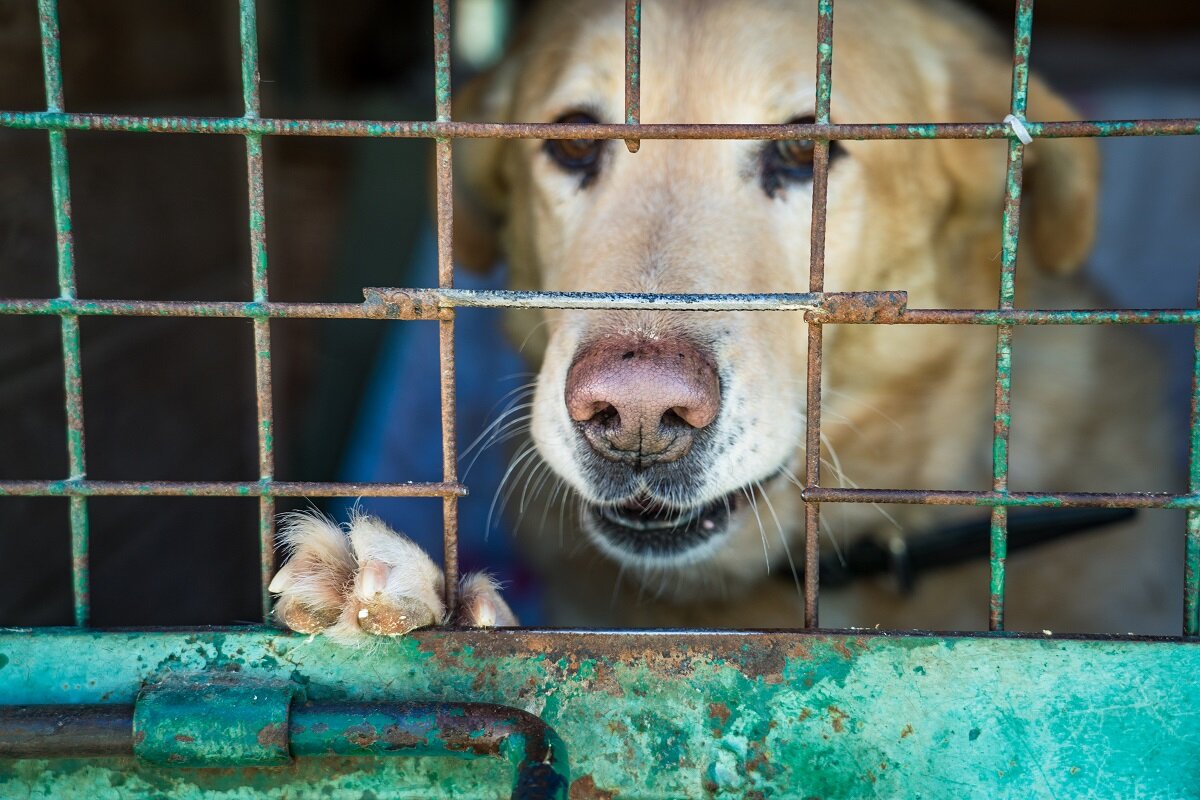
783 539
761 531
520 428
512 464
529 463
500 419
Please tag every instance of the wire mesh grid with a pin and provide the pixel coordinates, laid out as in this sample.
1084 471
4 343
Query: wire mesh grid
820 308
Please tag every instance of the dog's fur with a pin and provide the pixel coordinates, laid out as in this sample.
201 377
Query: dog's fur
904 406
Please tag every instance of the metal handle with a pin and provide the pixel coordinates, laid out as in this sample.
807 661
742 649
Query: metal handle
210 737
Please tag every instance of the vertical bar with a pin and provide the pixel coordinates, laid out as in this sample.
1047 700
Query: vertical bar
816 283
259 283
633 68
72 357
1022 33
1191 589
445 241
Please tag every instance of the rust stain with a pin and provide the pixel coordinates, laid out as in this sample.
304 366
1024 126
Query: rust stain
908 729
837 718
184 738
585 788
274 735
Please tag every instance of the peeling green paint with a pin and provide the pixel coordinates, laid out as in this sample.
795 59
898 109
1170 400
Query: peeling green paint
674 714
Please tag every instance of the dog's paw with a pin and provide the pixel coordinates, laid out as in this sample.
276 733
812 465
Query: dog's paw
366 579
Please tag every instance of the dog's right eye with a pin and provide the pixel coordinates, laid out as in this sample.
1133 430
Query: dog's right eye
577 155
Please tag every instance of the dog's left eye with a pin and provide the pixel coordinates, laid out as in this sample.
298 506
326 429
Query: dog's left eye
577 155
790 160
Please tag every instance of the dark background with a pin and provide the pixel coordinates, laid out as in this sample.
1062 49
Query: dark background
164 217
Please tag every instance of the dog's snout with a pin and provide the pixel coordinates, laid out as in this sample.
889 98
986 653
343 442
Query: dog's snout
642 400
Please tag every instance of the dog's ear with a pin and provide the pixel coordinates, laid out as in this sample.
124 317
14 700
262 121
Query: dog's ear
1061 176
480 188
1061 184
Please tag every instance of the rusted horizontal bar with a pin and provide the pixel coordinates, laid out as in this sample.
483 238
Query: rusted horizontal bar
390 304
85 488
935 497
46 120
1022 316
178 308
470 730
831 306
66 731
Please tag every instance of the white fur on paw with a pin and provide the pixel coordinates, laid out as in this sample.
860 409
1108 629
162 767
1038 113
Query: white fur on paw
354 581
480 604
312 585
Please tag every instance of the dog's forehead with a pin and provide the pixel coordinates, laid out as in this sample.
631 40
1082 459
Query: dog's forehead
730 61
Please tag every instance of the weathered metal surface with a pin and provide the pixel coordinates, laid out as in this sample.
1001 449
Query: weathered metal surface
426 129
256 196
886 307
213 720
674 714
816 283
66 731
633 69
934 497
1191 583
60 185
1011 227
87 488
227 721
445 255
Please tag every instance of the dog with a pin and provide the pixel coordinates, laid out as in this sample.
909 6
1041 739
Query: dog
677 436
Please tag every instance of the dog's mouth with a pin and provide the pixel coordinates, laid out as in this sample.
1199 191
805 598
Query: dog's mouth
645 530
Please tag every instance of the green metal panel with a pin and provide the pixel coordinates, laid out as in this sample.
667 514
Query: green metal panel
671 714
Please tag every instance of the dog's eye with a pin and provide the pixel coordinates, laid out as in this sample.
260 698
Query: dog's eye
790 160
577 155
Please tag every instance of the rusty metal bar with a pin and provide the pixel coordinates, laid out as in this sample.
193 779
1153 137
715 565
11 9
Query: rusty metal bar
67 731
85 488
841 306
936 497
633 68
445 250
248 29
816 283
242 126
1191 585
1002 418
60 182
886 308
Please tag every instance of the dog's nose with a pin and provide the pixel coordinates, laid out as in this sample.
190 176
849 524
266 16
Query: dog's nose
642 400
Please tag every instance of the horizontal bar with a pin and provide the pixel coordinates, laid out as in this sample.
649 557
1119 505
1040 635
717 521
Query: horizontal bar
85 488
66 731
47 120
832 306
470 730
386 304
934 497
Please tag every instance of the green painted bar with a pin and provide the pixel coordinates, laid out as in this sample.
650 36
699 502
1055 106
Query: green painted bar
248 33
60 182
424 129
672 714
1002 420
369 310
212 720
1191 588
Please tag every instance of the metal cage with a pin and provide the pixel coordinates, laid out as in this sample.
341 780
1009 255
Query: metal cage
309 698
